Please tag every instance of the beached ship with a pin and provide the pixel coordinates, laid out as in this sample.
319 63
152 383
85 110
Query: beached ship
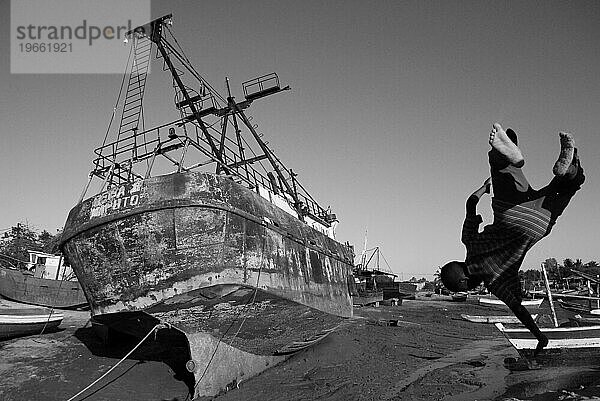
226 254
374 283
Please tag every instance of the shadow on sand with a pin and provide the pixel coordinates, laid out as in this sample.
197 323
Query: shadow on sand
168 348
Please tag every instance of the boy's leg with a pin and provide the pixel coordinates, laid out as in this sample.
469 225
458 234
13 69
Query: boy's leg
510 184
565 158
555 196
508 181
507 288
525 317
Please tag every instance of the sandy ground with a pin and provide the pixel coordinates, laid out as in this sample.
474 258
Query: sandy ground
429 354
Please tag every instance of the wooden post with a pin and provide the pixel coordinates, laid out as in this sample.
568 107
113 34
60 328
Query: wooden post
549 295
597 293
590 292
59 266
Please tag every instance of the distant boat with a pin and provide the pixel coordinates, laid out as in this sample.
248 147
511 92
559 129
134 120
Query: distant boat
585 320
374 282
23 286
21 322
576 307
459 297
496 302
367 297
505 319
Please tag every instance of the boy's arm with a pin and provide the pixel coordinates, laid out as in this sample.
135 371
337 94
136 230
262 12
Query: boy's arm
475 196
472 220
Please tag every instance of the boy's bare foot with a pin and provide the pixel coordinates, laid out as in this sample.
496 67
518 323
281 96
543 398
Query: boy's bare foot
542 342
503 145
532 365
573 169
565 158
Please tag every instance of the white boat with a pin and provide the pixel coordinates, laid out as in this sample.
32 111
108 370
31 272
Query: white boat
506 319
559 338
576 344
21 322
496 302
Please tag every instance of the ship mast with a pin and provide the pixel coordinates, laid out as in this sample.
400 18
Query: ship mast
201 137
155 35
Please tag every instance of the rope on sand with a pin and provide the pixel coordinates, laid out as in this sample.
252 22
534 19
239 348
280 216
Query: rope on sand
160 325
56 296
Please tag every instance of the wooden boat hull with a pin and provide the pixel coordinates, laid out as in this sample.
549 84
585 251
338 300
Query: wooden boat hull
227 333
19 286
21 322
572 306
368 297
491 319
395 289
179 248
528 303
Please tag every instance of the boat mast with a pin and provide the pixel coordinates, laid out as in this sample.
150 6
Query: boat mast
267 152
202 128
153 31
363 257
155 36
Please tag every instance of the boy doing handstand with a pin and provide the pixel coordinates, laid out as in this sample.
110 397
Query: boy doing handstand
522 217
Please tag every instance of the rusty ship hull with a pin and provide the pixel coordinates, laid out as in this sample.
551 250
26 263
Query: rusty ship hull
239 282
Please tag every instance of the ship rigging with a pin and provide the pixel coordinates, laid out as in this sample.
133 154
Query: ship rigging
208 132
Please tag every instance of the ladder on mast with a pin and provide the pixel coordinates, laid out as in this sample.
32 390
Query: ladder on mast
119 173
132 106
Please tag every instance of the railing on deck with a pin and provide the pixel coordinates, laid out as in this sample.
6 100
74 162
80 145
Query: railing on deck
121 161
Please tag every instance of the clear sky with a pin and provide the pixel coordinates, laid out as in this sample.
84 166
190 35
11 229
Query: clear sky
387 119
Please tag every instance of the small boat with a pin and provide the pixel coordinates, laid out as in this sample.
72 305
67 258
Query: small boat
459 297
572 306
21 322
565 341
580 320
505 319
576 307
534 303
